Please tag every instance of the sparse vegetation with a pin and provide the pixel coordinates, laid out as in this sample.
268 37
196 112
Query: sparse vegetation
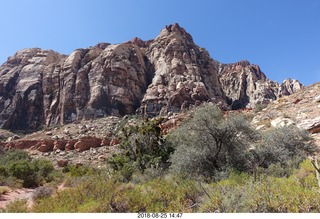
42 192
259 107
4 190
211 163
239 192
17 206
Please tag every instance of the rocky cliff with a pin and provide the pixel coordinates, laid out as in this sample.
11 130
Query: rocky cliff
168 74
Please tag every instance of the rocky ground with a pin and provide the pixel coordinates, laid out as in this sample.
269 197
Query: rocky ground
17 194
301 108
106 130
99 129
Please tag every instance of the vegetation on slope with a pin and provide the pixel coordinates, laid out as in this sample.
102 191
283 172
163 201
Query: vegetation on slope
211 163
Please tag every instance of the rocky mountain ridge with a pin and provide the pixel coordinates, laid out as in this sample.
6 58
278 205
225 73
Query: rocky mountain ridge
165 75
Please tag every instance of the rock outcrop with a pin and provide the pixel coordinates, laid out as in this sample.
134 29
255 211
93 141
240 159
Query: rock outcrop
301 109
245 85
290 86
312 125
168 74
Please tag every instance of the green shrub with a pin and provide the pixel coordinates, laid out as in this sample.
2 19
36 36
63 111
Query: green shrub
4 190
78 170
13 156
3 171
241 193
287 146
18 168
306 175
259 107
209 143
99 194
11 182
17 206
142 147
23 170
42 192
43 169
93 188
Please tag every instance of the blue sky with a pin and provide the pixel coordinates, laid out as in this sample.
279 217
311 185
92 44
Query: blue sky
282 36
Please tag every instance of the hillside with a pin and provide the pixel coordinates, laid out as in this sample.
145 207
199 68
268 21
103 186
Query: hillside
301 108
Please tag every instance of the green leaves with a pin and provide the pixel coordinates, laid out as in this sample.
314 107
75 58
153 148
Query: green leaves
286 145
209 143
24 171
17 165
142 147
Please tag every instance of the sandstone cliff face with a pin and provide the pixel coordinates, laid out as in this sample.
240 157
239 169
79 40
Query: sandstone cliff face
21 83
167 74
45 88
184 74
245 85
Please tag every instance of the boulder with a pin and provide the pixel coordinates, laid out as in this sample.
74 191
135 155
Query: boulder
23 144
46 146
312 125
12 138
62 163
105 142
59 144
281 122
70 144
86 143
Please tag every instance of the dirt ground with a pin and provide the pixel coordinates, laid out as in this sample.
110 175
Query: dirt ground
16 194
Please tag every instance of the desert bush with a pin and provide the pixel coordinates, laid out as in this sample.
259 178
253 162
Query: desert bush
241 193
4 190
8 157
109 195
42 192
13 155
209 143
18 168
17 206
11 182
287 146
43 170
259 107
33 173
91 189
79 170
306 175
23 170
3 171
142 147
